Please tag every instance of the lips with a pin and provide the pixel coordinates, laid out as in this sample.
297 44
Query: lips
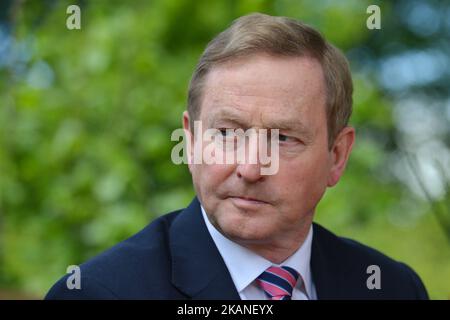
249 199
247 202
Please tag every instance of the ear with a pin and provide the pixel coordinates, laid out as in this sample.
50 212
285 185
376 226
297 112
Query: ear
340 153
189 139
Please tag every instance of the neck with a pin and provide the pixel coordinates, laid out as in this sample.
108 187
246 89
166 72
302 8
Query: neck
281 249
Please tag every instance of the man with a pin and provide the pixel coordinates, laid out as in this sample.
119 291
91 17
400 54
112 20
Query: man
247 235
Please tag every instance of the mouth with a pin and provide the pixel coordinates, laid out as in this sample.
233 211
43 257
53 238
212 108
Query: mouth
247 202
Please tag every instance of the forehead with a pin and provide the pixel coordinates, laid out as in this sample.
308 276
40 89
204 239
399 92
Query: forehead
266 88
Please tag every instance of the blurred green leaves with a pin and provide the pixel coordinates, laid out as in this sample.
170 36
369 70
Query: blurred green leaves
86 117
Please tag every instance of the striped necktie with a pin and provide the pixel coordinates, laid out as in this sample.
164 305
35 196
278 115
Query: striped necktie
278 282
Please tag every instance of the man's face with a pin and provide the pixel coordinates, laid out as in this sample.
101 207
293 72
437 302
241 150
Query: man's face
261 91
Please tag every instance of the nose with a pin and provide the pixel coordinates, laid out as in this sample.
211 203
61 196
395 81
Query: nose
249 172
250 169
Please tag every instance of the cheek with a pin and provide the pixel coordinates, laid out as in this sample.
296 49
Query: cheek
304 178
210 177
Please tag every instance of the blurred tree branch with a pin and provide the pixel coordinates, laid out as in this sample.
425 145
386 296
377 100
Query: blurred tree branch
440 209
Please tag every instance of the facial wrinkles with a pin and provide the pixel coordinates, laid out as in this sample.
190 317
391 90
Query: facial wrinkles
249 108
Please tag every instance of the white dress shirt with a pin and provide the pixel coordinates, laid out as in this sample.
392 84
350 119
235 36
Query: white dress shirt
245 266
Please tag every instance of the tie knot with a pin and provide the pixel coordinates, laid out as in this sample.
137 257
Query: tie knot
278 282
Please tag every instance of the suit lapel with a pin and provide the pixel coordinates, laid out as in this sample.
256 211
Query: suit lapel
198 269
325 266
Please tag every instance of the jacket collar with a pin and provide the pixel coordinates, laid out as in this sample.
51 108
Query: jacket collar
198 269
325 265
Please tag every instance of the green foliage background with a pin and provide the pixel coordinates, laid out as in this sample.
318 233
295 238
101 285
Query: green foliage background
86 117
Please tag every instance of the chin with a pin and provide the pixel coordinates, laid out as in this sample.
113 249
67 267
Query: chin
243 229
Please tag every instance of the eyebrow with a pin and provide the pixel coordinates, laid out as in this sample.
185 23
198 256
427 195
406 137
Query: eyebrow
282 124
288 124
225 115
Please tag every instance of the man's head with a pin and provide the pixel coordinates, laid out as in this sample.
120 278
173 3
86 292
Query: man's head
272 73
283 37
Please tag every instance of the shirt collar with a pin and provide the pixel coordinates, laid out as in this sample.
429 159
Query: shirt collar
236 256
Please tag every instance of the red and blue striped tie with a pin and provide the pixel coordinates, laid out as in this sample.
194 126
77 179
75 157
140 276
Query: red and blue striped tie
278 282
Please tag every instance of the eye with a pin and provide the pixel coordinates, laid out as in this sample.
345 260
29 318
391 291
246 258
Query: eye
285 138
226 132
288 139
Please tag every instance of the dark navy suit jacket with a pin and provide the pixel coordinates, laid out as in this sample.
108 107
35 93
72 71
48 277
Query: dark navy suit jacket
174 257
